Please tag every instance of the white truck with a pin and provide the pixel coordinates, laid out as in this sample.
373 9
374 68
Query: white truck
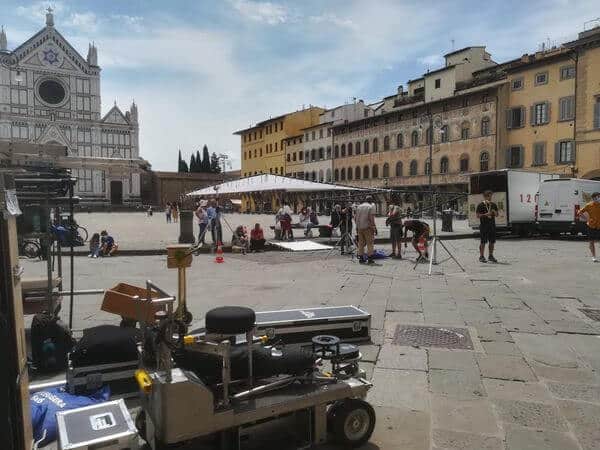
560 200
515 193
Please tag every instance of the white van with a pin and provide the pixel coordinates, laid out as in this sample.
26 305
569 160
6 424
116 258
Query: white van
558 202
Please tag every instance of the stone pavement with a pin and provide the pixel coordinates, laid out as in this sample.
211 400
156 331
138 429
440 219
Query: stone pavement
134 230
528 379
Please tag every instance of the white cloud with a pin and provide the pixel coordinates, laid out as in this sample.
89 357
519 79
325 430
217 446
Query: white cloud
135 23
266 12
86 22
432 61
329 18
36 12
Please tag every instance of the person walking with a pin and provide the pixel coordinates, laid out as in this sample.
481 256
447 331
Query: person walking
366 229
486 213
202 223
592 210
394 221
175 212
168 212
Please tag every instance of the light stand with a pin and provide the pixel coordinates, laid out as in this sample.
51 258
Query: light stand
345 238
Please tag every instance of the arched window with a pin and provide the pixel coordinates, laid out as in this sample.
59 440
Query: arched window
428 136
444 165
321 153
343 150
366 147
399 140
375 145
414 138
349 148
313 155
328 175
281 170
386 170
314 176
366 172
399 169
336 175
464 163
485 126
343 174
357 173
358 147
386 143
336 152
329 152
350 173
445 133
413 167
464 130
321 176
427 166
306 156
375 171
484 162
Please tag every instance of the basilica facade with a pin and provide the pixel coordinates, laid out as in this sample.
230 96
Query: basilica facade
50 94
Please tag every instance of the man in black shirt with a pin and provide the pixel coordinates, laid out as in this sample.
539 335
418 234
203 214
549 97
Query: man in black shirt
486 213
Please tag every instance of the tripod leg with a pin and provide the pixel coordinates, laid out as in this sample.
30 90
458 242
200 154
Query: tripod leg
452 256
432 257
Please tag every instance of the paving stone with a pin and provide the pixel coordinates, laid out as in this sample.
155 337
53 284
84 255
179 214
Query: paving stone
456 383
400 428
565 375
405 388
517 390
501 348
444 317
377 336
368 368
527 439
452 360
507 302
492 332
572 327
393 319
369 352
463 415
529 414
548 350
477 313
523 321
505 368
583 392
401 357
585 422
456 440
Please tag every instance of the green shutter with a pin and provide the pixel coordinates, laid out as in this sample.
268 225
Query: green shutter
557 153
507 157
532 115
597 114
521 155
509 119
548 109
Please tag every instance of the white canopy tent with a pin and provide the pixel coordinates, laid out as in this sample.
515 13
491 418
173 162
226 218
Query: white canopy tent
266 183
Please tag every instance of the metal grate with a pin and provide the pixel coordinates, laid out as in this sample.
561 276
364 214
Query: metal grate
593 314
421 336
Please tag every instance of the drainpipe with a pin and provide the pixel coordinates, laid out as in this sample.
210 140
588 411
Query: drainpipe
576 59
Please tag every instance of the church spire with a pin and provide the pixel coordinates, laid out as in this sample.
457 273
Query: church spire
49 17
92 56
3 43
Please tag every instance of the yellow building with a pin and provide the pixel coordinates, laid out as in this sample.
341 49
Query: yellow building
262 146
294 156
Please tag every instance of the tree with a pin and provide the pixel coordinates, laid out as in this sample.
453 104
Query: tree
205 160
198 161
192 163
215 167
181 166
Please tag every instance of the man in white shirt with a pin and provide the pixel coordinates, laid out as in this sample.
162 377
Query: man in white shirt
365 226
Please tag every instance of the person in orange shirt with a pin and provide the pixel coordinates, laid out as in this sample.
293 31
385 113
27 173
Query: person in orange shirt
592 209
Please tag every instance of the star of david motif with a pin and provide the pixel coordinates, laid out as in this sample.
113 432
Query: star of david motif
50 56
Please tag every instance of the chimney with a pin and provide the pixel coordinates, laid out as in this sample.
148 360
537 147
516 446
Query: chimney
400 91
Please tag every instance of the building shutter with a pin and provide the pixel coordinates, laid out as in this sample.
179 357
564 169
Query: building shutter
523 121
509 119
597 114
507 156
521 155
532 115
573 152
557 153
548 105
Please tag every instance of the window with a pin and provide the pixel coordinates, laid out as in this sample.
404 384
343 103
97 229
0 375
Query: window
321 153
328 132
386 143
464 131
329 152
464 163
375 145
20 131
438 83
539 154
399 169
294 156
260 151
321 133
465 102
427 166
517 84
413 168
386 170
19 96
565 152
515 117
358 148
445 133
366 147
597 113
300 155
343 150
541 78
366 172
349 148
399 140
428 132
84 180
566 108
313 135
414 138
567 72
321 174
289 157
375 171
343 174
306 156
350 173
336 174
357 173
336 152
485 126
275 146
514 156
484 160
328 175
444 165
540 113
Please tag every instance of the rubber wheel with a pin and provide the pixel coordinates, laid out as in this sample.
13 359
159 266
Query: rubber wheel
353 423
230 320
31 249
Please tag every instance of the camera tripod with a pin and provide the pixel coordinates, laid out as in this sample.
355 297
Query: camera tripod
346 240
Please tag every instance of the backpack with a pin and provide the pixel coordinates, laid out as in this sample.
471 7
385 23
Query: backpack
51 341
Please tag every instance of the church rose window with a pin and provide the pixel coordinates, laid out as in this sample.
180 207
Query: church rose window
52 92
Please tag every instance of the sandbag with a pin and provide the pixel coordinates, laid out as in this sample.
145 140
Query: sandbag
105 344
45 404
51 341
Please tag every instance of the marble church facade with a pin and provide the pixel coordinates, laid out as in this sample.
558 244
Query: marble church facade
50 94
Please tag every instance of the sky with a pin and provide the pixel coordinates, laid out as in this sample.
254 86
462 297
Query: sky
200 70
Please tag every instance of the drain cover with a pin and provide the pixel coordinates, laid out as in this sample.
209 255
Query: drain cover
445 337
593 314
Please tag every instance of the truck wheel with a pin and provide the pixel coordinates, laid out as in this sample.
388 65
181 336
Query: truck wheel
353 423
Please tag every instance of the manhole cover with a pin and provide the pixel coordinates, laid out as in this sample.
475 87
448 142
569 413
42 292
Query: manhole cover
593 314
445 337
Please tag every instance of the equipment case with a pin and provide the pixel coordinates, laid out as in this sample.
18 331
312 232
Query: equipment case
119 376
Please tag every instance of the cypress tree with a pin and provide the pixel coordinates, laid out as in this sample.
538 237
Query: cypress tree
215 167
192 163
205 160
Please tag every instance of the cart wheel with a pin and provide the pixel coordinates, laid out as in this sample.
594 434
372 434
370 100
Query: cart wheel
353 423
